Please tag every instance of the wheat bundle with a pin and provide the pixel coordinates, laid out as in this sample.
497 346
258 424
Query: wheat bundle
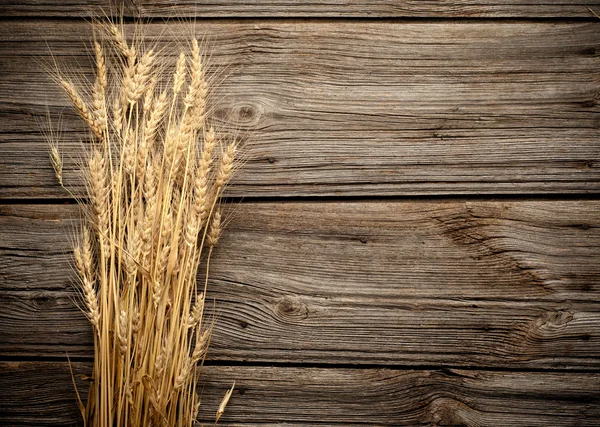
155 175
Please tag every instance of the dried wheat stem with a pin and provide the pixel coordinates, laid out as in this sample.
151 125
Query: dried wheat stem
133 252
151 193
149 223
201 189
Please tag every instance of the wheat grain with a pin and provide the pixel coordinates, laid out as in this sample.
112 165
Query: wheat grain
149 94
99 192
135 321
196 97
224 403
215 229
91 300
118 38
179 76
199 347
82 108
117 117
122 333
56 163
226 167
136 78
129 154
99 90
195 316
84 264
155 117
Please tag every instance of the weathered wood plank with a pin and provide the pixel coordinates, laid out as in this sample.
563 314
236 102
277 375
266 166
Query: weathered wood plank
41 394
377 108
284 328
511 284
313 8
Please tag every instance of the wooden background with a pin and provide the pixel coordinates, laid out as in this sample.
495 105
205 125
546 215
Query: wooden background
416 237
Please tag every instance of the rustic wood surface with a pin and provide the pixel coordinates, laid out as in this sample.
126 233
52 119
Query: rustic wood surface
477 306
269 396
488 283
312 8
352 108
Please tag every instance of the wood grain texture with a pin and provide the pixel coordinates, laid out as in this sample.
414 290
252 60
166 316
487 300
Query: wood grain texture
498 283
353 108
41 394
312 8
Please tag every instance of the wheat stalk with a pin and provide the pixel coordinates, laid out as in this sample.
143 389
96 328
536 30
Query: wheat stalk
154 185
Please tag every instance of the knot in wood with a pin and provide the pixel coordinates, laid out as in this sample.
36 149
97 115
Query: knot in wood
552 322
243 115
448 411
247 113
291 307
43 301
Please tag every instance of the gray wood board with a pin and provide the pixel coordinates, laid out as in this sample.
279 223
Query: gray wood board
350 108
333 8
42 394
474 283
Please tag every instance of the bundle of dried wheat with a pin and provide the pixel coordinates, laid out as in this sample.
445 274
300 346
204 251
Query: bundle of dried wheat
154 175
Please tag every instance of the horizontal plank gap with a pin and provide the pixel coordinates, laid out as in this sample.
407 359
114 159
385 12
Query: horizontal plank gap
325 19
363 198
323 365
